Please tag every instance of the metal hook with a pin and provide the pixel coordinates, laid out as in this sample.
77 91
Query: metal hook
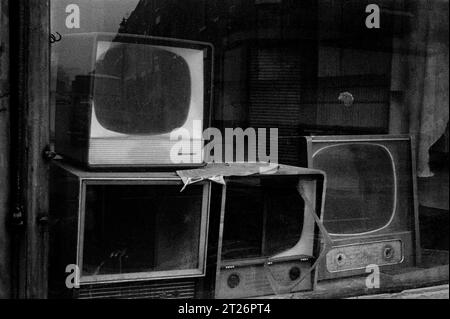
54 38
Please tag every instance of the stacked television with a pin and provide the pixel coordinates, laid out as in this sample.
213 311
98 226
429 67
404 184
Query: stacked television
118 216
120 227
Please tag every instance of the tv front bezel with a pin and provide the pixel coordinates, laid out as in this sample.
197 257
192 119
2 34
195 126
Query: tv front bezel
144 275
208 92
376 140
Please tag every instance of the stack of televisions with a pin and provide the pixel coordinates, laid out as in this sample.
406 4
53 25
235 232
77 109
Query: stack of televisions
118 216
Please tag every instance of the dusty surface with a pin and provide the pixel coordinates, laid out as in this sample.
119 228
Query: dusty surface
437 292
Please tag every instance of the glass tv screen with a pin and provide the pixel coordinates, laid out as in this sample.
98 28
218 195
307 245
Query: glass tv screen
361 187
143 89
148 231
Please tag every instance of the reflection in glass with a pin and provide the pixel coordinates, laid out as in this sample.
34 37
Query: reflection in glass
141 89
361 186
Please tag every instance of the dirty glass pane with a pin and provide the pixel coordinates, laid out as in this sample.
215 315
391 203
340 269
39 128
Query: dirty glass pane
308 68
361 194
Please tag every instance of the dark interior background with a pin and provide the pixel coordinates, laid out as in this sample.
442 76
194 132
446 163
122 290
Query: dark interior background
283 63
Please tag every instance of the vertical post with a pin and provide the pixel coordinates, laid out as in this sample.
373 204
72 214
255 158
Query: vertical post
5 271
398 109
30 93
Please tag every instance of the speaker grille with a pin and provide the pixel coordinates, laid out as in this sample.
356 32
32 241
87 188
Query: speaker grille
140 290
141 151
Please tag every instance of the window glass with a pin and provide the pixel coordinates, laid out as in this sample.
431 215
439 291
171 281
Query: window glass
308 68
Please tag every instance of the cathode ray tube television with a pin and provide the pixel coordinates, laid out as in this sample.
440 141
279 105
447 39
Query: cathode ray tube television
119 97
371 200
254 257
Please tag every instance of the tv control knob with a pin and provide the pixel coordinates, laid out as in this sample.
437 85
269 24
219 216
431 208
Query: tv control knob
233 281
388 252
340 259
294 273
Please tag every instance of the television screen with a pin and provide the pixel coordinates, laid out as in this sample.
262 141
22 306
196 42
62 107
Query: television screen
361 187
142 231
256 210
142 89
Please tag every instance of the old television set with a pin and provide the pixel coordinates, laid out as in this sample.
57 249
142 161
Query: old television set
119 97
269 240
131 235
370 206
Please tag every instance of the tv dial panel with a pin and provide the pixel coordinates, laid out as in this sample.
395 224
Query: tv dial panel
255 280
358 256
